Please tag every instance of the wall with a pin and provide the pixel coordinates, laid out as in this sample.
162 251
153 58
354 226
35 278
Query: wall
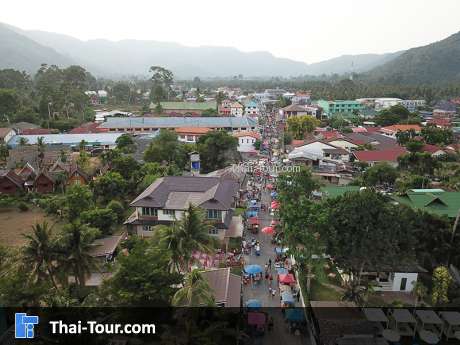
411 280
244 145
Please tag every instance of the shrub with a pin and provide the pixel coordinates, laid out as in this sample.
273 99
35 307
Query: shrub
23 207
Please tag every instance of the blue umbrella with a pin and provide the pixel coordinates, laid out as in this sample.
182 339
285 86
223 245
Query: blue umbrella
252 269
274 194
279 250
287 297
295 314
281 270
253 303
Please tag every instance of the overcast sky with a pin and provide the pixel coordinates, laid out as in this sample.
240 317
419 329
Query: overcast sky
305 30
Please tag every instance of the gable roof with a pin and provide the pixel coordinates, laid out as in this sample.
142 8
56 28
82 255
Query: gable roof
251 134
225 286
390 155
12 176
177 192
402 128
4 131
192 130
435 201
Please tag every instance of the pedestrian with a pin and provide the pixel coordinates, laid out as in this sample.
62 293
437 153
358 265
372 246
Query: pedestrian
270 278
269 290
266 268
273 293
270 263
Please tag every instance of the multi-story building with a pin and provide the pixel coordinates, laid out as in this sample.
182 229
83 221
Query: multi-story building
236 109
190 134
339 107
412 104
251 108
301 97
167 199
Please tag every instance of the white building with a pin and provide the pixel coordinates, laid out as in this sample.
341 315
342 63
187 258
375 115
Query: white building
251 108
6 134
385 103
236 109
246 141
412 104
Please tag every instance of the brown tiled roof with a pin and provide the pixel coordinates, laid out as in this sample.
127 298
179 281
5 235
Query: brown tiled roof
106 245
12 176
4 131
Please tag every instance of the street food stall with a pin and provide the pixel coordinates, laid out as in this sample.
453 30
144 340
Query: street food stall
253 225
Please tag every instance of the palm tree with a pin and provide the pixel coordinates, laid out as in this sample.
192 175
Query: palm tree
41 150
186 236
40 252
23 141
75 256
195 292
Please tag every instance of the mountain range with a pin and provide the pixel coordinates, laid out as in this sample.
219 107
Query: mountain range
27 49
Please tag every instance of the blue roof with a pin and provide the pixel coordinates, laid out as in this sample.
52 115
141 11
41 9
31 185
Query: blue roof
175 122
68 139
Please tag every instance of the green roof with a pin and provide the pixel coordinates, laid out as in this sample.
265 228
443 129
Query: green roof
188 105
335 191
440 203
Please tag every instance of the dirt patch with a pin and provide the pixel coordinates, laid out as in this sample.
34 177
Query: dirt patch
14 223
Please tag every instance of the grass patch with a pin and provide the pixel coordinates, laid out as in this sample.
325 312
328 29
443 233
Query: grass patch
239 211
319 292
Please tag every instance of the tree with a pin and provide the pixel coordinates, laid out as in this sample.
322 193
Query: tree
118 209
100 218
188 235
419 163
411 181
78 198
299 126
217 150
23 141
141 279
162 80
75 249
414 146
122 92
360 238
195 292
40 252
125 143
126 166
404 136
437 136
9 102
441 283
109 186
420 292
166 148
380 174
4 153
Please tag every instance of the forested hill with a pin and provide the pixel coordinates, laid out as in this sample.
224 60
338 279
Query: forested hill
20 52
433 63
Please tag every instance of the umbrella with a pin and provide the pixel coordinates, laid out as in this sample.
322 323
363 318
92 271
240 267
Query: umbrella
268 230
273 194
286 278
287 297
253 221
269 186
275 205
253 303
252 269
294 314
274 223
279 250
282 271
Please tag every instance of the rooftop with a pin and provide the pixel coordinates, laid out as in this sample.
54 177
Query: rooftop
174 122
188 105
389 155
432 200
68 139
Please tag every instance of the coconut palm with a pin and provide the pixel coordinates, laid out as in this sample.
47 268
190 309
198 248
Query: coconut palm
195 292
75 256
40 252
186 236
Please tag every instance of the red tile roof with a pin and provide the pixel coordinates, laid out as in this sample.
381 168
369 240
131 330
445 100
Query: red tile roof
431 148
192 130
38 131
402 128
90 127
247 134
380 156
297 143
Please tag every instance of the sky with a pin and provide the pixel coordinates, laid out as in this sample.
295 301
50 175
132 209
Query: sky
303 30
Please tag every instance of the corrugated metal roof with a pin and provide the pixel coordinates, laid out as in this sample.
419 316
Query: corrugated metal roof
68 139
174 122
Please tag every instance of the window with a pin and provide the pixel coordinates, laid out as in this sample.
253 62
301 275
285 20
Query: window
149 211
214 214
213 231
171 213
189 138
147 227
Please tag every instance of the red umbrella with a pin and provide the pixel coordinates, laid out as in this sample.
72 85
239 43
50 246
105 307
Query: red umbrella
269 186
268 230
275 205
274 223
253 221
286 278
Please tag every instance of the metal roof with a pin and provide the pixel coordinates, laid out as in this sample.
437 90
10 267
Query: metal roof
68 139
173 122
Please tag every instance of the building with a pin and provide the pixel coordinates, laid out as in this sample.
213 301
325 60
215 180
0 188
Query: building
246 141
444 114
92 140
385 103
340 107
412 104
185 108
153 124
392 130
236 109
301 97
167 199
225 287
6 134
190 134
295 110
389 156
225 107
251 108
10 182
435 201
44 183
318 153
